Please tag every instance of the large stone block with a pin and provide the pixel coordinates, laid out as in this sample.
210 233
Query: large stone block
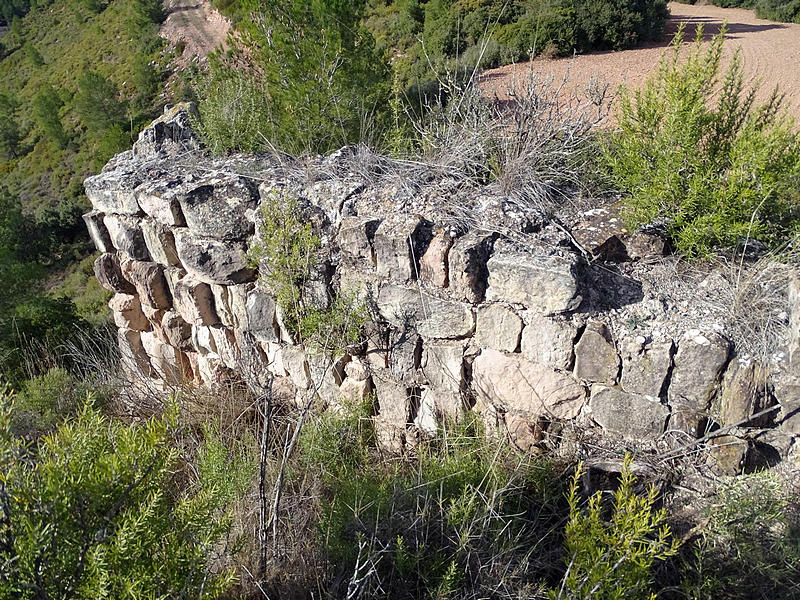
438 407
433 266
394 401
645 365
404 354
98 231
698 365
260 309
195 302
596 357
744 393
160 243
294 361
167 363
222 305
216 209
126 235
549 341
633 416
108 271
399 243
177 331
431 317
127 312
467 273
355 238
133 357
794 321
159 200
227 349
148 279
112 191
543 284
523 387
213 261
498 327
443 366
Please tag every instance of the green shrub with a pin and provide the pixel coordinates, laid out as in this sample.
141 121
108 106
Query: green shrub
612 556
702 155
93 511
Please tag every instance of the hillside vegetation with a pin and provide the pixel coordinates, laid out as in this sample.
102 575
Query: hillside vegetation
787 11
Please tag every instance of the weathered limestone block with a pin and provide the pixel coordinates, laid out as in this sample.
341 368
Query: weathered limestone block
168 134
177 331
154 315
195 302
787 392
127 312
159 200
438 407
217 208
227 350
112 191
549 341
132 354
148 279
427 421
633 416
294 361
260 310
404 354
743 393
525 388
98 231
443 366
254 363
237 302
645 366
108 271
212 372
394 410
167 363
433 266
399 243
726 455
222 305
467 273
327 374
213 261
355 238
160 243
698 365
430 316
203 341
646 243
274 354
601 232
173 275
596 357
794 321
543 284
126 235
498 327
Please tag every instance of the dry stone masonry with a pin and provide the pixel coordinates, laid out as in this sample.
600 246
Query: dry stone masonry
505 315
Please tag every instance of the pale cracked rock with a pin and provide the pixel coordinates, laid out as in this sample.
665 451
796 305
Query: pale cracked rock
127 312
108 271
148 279
467 274
596 357
438 407
744 393
159 200
132 354
645 366
394 400
399 243
126 235
433 267
213 261
98 231
498 328
222 305
698 365
227 349
217 208
355 238
112 191
177 331
295 363
524 387
794 323
195 302
543 284
160 243
633 416
431 317
443 365
404 353
260 310
549 341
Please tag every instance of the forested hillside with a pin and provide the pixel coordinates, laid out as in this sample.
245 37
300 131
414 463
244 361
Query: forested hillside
80 78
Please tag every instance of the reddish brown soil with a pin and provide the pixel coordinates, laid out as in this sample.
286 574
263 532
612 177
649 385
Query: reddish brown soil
771 51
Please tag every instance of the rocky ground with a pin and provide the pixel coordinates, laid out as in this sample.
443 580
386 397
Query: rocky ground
771 51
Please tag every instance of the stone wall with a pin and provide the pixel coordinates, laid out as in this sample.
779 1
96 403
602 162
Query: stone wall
477 303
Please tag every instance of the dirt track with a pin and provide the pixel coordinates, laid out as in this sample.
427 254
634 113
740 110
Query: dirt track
770 51
195 23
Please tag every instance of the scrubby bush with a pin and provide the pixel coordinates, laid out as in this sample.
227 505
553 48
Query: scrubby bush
774 10
94 511
702 155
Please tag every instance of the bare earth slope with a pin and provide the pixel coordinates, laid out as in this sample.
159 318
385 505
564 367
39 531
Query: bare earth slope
770 50
195 23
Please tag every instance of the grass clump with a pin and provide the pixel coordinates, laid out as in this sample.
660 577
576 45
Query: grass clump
698 152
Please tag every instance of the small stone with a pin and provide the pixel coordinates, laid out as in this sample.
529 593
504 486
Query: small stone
698 365
467 273
632 416
148 279
126 236
195 302
400 241
596 357
433 264
727 455
108 271
160 243
645 366
431 317
127 312
549 341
